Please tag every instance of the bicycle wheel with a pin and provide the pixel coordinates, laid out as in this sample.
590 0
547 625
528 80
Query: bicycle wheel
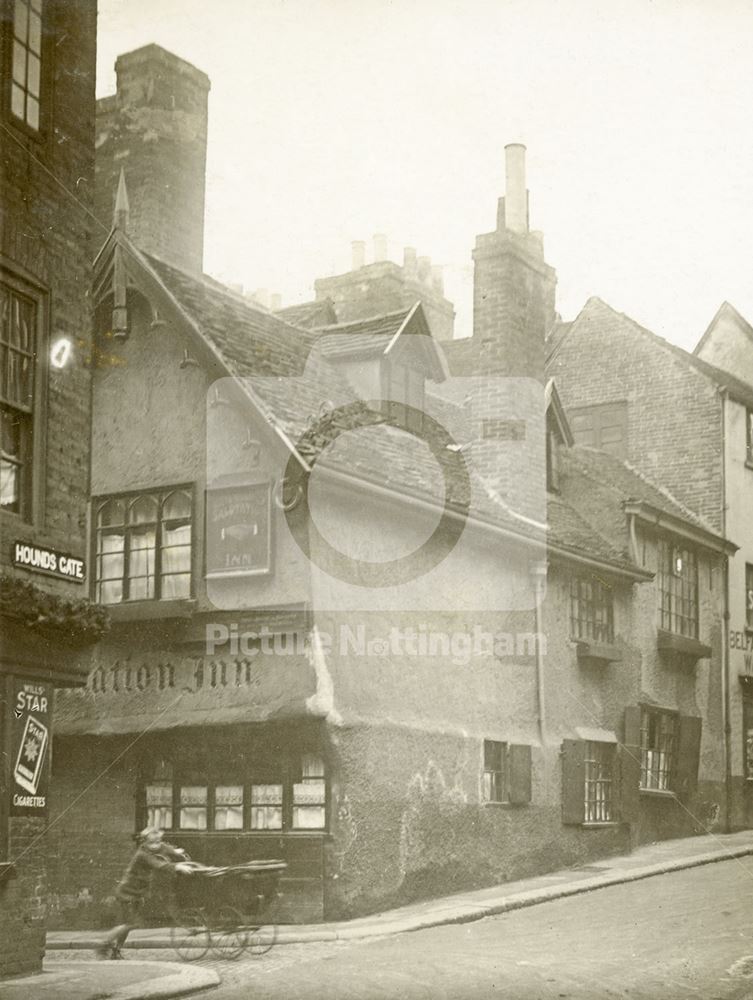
260 940
228 933
190 937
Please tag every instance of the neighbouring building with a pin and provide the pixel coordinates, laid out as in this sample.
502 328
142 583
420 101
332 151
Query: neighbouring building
685 420
47 67
281 680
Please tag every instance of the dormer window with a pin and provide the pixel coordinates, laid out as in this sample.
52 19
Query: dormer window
403 395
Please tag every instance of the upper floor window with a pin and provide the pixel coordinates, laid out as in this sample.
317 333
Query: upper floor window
18 335
403 394
27 61
678 589
603 426
591 609
143 546
749 436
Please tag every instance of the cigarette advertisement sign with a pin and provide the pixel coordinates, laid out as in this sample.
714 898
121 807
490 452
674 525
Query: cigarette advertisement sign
32 724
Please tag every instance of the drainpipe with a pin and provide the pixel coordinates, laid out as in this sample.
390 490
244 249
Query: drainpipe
540 573
726 723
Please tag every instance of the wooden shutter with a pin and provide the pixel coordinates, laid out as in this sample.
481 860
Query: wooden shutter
688 755
629 762
520 774
573 781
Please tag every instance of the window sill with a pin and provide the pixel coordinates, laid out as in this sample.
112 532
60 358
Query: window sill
502 805
147 610
608 825
658 793
680 649
7 871
597 652
748 464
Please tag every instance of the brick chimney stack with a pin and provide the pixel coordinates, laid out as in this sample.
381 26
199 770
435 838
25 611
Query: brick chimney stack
513 288
154 129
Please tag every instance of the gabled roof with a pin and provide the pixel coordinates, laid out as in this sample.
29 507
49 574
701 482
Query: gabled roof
236 337
725 311
598 312
308 315
553 405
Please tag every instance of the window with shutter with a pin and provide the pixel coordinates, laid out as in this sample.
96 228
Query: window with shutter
506 775
688 755
573 781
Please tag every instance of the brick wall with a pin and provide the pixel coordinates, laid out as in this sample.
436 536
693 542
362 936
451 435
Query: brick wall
155 129
674 412
47 236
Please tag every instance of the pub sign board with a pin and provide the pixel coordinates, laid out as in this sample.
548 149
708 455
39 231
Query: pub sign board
50 562
31 737
238 530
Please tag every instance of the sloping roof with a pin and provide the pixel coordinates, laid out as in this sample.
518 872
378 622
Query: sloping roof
599 486
598 312
362 345
254 342
308 315
726 309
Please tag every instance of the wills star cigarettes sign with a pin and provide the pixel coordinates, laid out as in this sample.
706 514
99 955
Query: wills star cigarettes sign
48 561
32 720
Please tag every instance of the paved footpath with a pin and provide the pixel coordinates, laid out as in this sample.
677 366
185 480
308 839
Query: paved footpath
68 976
653 859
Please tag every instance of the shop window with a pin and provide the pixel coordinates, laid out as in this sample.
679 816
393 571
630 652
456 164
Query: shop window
678 589
159 805
266 807
19 318
749 595
228 807
27 62
143 546
310 795
748 736
591 609
193 807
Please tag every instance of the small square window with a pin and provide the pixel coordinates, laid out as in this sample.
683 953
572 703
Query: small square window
193 807
228 807
310 795
495 771
266 807
159 805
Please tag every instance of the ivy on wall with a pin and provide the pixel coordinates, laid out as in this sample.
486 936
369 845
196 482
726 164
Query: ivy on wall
80 621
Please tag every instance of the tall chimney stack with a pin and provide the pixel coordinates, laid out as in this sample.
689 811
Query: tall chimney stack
516 193
155 128
380 247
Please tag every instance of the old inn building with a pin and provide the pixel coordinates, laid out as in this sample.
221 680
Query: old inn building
259 695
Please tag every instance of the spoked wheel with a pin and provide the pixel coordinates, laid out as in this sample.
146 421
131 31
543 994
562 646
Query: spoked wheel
261 939
190 937
228 933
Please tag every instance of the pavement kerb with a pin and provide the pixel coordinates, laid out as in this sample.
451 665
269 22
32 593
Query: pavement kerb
463 912
179 981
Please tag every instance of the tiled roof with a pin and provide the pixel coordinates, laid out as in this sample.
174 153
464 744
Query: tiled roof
598 485
254 342
309 315
363 345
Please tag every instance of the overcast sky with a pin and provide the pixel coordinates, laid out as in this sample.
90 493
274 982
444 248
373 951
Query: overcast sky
331 120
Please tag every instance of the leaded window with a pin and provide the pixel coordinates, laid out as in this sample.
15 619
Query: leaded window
658 749
600 758
591 609
678 589
144 547
26 85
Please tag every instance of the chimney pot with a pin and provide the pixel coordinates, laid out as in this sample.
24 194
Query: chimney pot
380 247
358 248
516 194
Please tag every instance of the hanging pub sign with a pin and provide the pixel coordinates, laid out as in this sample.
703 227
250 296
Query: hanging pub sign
238 530
50 562
31 728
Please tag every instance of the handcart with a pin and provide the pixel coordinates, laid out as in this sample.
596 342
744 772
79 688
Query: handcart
223 909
